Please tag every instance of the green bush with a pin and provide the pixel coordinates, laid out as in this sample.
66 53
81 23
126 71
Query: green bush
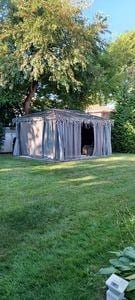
123 133
1 134
123 265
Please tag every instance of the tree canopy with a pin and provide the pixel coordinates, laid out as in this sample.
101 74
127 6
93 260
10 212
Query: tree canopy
123 49
123 136
122 52
48 50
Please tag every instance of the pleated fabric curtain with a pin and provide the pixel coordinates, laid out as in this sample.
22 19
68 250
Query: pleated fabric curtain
77 139
69 137
60 143
97 139
108 139
104 149
68 140
16 151
31 138
102 139
49 139
24 142
60 139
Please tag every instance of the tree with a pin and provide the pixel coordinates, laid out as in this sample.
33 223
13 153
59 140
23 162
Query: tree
123 49
47 47
123 55
123 134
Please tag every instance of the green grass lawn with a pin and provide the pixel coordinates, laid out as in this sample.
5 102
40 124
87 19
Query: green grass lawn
58 222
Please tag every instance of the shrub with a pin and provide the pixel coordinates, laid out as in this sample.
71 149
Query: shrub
123 265
123 133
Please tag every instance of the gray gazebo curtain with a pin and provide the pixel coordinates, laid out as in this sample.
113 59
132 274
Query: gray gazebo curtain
17 146
77 139
102 139
49 139
59 139
69 137
31 138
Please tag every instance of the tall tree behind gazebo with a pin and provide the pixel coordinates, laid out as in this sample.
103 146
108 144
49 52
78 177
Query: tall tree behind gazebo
47 44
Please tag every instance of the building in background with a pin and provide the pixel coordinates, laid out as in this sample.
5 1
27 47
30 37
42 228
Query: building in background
103 111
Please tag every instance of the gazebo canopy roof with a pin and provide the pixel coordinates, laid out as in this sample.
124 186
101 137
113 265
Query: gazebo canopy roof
61 115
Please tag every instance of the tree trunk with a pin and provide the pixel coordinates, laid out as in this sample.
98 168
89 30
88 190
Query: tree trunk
29 96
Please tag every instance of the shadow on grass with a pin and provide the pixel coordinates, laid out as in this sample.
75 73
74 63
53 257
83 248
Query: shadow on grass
19 161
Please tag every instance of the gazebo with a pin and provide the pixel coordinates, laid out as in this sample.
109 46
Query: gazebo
62 135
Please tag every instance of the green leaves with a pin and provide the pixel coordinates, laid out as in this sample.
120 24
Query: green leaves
50 42
124 265
131 286
130 252
123 133
107 271
118 263
123 49
131 277
117 253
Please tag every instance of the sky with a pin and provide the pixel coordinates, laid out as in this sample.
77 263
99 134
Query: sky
120 13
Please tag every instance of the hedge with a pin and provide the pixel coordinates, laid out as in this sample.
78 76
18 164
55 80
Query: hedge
123 132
